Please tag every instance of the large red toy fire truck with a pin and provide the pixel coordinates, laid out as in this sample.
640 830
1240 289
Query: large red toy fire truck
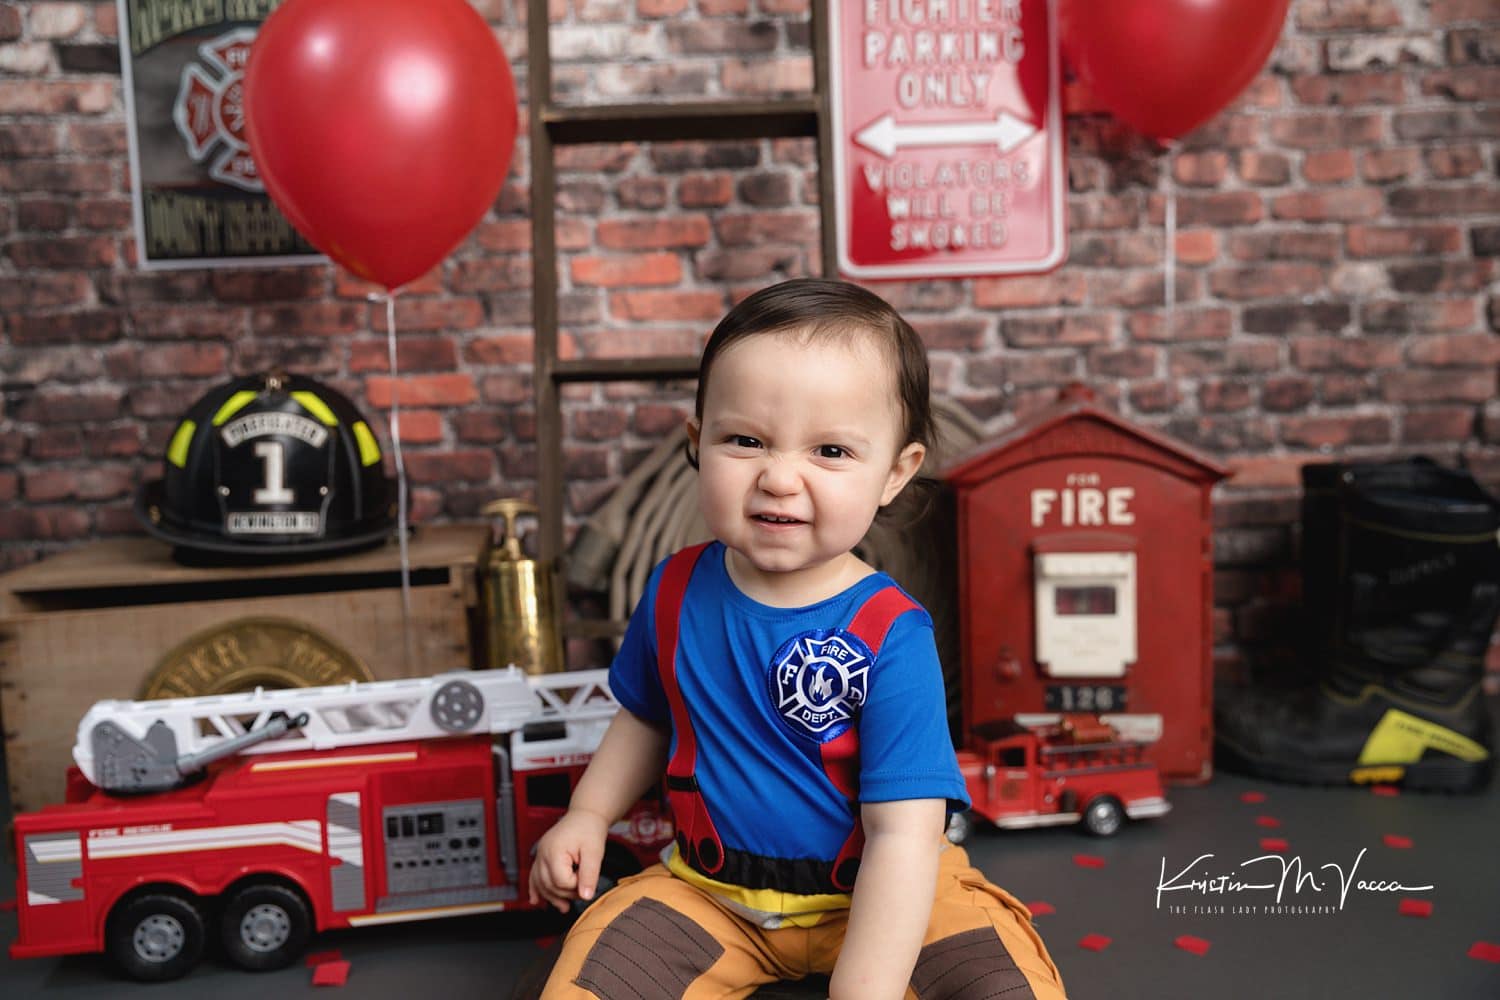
263 817
1057 769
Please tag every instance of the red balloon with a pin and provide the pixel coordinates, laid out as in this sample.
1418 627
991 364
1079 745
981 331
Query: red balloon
382 128
1165 67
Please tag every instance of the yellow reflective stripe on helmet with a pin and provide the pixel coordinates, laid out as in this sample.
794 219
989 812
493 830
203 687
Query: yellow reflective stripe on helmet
1399 738
233 405
178 449
369 448
312 404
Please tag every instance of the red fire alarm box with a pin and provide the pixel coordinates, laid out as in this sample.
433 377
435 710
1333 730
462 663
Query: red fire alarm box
1086 580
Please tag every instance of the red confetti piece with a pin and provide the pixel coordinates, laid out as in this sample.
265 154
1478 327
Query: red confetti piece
1386 790
1040 909
1277 844
331 974
1397 841
1415 908
7 906
1196 945
546 942
1269 822
323 957
1089 861
1252 797
1094 942
1485 951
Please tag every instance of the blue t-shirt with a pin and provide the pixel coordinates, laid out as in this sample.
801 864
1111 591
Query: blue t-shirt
765 687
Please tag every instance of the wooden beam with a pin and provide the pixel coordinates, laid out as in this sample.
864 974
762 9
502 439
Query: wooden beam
702 120
657 369
549 432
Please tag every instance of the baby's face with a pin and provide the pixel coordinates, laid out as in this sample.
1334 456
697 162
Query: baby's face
799 447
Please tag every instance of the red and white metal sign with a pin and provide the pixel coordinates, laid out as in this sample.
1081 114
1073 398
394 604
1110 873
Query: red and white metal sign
947 120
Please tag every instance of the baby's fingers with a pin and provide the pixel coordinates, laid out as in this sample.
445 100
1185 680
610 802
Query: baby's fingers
555 877
587 878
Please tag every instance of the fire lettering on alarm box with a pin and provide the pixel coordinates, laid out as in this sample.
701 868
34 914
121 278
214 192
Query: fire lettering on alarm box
1082 507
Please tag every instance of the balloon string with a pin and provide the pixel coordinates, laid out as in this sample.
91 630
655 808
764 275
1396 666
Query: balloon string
1169 289
401 511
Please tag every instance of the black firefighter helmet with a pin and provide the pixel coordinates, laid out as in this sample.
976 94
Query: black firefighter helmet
270 465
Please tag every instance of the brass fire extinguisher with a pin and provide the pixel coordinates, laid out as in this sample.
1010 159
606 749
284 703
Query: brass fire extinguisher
523 621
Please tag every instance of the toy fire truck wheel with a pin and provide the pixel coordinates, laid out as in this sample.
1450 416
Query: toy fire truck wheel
265 926
1103 816
960 825
155 937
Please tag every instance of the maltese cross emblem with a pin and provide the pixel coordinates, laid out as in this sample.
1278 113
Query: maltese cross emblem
819 680
210 112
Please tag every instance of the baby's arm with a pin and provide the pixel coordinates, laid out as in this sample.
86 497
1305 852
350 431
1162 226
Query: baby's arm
630 757
892 899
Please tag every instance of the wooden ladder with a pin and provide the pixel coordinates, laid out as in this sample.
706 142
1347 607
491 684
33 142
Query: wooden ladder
553 125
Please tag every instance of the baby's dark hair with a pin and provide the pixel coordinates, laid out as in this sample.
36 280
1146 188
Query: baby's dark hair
819 307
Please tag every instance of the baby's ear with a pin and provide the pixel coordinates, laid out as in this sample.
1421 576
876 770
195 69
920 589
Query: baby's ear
906 465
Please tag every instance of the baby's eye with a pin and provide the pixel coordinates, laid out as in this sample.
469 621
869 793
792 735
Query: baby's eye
743 441
832 451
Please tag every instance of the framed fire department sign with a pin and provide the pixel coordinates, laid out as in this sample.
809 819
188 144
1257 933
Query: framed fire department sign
947 122
198 201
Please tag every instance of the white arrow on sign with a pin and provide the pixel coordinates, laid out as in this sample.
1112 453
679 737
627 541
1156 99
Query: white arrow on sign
885 135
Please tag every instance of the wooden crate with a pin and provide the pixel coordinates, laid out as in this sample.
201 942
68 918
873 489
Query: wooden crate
96 622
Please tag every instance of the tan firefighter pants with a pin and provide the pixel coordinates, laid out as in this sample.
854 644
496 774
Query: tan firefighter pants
656 937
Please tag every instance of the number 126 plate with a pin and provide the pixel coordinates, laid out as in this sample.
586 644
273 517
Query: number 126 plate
1085 698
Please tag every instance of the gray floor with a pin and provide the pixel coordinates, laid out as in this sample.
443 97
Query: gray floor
1364 948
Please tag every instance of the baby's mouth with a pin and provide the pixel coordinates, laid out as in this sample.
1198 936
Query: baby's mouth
775 519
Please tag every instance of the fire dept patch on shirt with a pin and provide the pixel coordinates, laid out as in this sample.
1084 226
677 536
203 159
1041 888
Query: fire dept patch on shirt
818 681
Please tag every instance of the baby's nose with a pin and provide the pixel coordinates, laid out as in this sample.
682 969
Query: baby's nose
779 476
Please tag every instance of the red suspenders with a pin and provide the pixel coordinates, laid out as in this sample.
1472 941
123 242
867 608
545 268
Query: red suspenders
698 839
841 755
696 834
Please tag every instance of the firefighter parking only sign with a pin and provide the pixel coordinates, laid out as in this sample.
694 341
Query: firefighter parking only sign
947 122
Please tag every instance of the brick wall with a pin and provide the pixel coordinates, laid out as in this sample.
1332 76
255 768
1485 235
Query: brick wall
1335 275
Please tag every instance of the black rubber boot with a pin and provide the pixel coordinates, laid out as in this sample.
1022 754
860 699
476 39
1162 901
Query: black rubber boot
1320 566
1417 587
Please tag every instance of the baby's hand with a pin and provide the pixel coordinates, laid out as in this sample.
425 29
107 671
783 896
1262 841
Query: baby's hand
567 860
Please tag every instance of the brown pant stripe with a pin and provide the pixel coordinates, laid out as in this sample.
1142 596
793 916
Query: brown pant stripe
649 951
973 965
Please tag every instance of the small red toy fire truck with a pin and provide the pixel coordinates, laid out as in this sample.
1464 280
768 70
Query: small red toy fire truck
262 817
1045 770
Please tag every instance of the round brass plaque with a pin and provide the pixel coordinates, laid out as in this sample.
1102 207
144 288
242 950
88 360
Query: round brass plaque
249 653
